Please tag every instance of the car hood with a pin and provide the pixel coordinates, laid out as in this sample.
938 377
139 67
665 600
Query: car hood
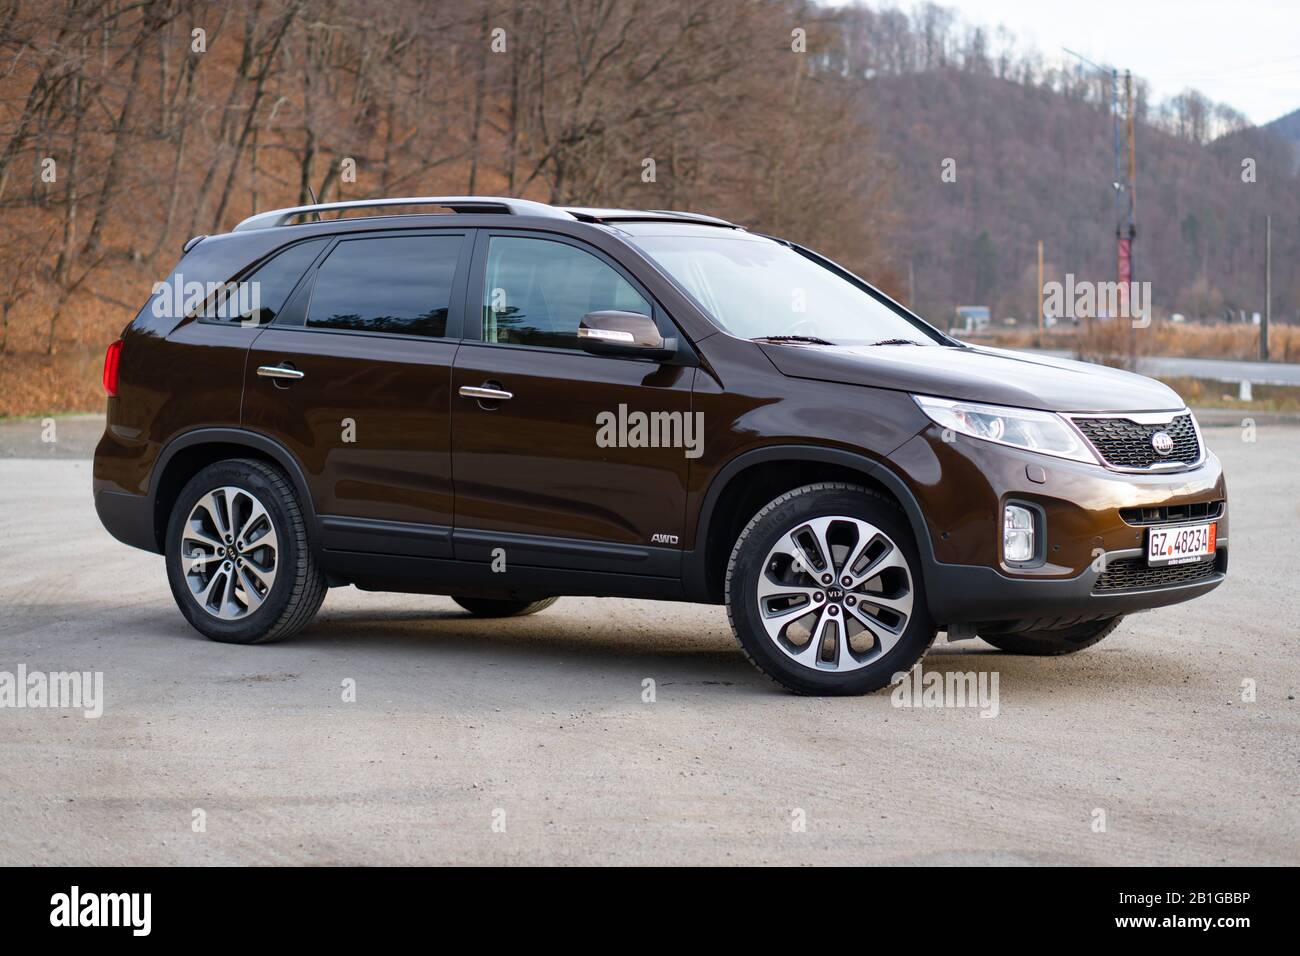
977 374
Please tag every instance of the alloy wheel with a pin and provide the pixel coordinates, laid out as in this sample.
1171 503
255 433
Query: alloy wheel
835 593
229 553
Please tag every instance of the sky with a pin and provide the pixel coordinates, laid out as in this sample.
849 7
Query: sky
1245 53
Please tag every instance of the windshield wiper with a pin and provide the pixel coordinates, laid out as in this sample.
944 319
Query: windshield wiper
810 339
895 342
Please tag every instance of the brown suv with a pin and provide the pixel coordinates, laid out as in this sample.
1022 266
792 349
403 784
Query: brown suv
513 401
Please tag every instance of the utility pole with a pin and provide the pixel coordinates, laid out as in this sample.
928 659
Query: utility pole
1040 293
1132 166
1123 244
1121 249
1126 243
1268 287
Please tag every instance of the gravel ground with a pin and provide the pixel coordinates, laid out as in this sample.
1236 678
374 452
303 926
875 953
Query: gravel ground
530 741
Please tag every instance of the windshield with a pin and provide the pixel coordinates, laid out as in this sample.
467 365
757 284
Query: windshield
757 288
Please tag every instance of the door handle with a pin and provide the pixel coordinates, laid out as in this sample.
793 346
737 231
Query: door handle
485 393
279 371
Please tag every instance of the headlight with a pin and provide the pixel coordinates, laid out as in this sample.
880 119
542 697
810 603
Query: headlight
1026 428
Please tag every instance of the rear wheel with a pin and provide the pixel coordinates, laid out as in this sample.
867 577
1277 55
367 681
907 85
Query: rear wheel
824 591
238 560
492 607
1067 640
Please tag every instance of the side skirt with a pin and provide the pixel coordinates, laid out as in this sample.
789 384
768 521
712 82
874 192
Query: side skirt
432 559
416 575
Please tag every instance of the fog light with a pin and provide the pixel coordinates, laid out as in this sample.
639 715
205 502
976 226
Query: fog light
1017 533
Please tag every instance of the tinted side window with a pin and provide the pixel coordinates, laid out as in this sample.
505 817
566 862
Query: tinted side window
259 298
393 284
535 292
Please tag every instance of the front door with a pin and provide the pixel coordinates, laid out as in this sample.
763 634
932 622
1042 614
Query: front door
568 460
354 379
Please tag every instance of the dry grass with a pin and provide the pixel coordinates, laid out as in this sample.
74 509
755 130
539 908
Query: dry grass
33 383
1204 393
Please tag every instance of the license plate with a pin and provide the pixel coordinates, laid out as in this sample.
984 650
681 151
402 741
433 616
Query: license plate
1183 545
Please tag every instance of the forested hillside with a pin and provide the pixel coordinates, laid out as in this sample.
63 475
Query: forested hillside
1032 151
1031 164
1288 128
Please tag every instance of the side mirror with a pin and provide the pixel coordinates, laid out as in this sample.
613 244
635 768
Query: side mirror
624 333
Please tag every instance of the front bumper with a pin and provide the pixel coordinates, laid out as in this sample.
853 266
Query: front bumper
961 487
964 594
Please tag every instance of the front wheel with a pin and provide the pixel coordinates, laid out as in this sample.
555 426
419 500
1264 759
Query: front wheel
1067 640
824 591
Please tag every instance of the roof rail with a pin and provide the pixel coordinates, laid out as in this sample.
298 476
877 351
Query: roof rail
594 214
485 204
694 217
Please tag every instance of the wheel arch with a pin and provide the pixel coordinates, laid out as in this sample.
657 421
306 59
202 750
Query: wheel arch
190 452
752 479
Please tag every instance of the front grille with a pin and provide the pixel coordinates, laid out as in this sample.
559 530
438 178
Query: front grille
1124 443
1165 514
1123 574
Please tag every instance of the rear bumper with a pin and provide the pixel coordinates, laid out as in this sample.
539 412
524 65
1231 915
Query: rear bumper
122 480
129 518
965 594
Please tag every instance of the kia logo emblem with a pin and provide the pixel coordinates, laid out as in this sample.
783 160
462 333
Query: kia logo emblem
1162 442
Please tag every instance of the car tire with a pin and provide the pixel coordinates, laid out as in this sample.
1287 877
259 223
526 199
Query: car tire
774 573
1067 640
492 607
238 591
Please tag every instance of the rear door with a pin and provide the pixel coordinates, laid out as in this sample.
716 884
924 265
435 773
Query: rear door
584 465
354 379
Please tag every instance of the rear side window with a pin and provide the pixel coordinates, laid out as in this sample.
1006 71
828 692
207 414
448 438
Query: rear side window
535 292
259 298
396 284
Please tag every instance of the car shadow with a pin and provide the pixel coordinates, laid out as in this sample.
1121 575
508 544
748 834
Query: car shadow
539 644
635 644
708 655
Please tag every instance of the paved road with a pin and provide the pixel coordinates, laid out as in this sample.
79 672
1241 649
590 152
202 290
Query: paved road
542 722
1221 370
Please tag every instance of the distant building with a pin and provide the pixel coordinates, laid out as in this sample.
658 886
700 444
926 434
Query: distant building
971 319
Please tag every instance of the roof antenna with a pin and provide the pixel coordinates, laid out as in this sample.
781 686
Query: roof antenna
315 202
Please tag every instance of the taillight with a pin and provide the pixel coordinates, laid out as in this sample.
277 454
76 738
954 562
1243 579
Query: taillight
111 359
